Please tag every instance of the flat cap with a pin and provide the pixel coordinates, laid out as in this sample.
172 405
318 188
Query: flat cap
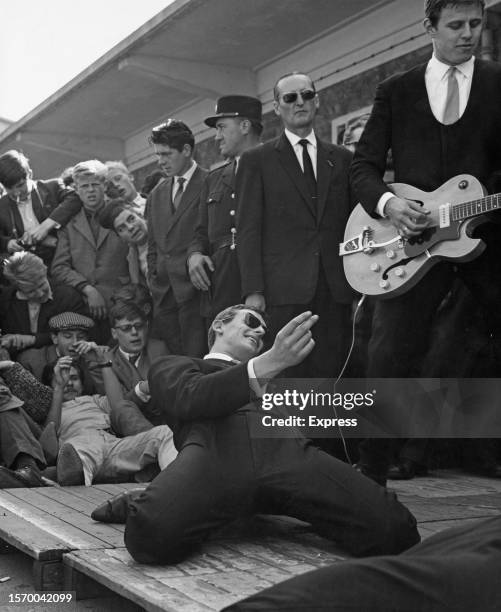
70 320
237 106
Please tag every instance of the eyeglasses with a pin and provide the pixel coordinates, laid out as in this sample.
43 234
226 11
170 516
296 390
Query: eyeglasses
131 326
254 322
291 97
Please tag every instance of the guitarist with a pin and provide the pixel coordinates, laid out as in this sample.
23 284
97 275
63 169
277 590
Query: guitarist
439 119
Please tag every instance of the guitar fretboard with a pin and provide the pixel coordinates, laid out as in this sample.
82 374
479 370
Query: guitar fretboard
473 208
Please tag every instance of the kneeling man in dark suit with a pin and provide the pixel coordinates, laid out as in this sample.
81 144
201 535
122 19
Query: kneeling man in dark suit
223 473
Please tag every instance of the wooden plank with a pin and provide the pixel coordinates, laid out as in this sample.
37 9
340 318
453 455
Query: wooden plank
128 580
446 483
73 537
29 538
99 535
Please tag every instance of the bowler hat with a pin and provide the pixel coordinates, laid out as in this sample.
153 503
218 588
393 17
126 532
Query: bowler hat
236 106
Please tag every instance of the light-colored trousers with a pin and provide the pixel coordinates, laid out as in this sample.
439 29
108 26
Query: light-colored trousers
106 457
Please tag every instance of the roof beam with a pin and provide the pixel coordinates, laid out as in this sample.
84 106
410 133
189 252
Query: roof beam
73 145
199 78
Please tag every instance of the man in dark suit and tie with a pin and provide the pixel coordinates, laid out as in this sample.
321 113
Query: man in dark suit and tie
225 470
171 215
293 201
439 119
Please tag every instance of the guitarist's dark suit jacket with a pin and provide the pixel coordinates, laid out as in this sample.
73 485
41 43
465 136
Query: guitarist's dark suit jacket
426 153
288 248
175 300
223 472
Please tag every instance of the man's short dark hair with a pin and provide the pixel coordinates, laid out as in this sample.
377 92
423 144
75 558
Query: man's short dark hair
227 315
136 294
14 167
276 92
434 8
126 310
174 134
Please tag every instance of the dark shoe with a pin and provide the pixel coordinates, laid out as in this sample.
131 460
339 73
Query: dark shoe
69 467
377 477
406 469
25 477
116 509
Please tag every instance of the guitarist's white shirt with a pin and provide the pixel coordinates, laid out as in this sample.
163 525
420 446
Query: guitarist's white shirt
436 86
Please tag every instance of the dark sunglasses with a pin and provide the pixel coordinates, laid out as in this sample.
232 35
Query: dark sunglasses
291 97
254 322
130 326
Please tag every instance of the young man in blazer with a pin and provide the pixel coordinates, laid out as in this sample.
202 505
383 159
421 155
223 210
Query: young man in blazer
439 119
293 201
171 216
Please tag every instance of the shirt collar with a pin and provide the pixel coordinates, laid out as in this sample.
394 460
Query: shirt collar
439 69
139 200
188 174
129 355
221 356
294 138
20 296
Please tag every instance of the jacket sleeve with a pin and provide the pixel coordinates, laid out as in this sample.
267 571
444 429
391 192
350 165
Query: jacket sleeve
250 206
184 392
68 205
369 162
151 257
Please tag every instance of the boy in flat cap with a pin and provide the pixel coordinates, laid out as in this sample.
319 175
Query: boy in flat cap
212 259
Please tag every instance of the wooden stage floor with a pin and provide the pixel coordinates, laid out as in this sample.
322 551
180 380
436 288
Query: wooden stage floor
70 551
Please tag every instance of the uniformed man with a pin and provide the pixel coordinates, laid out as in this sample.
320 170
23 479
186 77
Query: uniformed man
212 260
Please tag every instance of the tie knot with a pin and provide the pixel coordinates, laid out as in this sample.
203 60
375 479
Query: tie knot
304 143
180 181
133 358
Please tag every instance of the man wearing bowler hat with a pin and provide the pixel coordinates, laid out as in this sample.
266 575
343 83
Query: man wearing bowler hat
212 258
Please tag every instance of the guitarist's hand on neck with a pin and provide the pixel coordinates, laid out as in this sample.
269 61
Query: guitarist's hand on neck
410 218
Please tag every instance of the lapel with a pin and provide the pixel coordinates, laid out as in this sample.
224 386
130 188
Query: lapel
38 198
134 267
288 160
17 222
417 89
125 371
192 191
81 225
325 169
228 176
162 210
101 237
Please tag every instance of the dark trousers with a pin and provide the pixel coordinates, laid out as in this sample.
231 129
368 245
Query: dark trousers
232 475
19 434
454 570
331 332
180 325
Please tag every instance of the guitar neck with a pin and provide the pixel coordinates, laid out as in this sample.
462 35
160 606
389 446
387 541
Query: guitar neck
465 210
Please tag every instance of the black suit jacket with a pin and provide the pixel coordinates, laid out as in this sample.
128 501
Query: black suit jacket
425 152
49 199
281 238
169 234
196 394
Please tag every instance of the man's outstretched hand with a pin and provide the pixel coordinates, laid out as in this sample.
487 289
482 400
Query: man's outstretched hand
292 344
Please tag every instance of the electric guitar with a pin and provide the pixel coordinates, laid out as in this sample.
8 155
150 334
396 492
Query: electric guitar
379 262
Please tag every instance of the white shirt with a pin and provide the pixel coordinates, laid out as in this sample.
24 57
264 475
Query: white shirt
139 202
436 77
187 175
144 397
25 208
298 149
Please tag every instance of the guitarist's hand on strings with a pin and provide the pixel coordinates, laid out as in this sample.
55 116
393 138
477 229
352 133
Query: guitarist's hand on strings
409 217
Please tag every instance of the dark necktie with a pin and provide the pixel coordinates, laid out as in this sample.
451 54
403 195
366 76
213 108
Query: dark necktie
451 110
133 359
308 170
179 193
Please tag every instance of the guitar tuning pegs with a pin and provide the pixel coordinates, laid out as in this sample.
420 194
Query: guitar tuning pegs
399 272
375 267
390 253
384 284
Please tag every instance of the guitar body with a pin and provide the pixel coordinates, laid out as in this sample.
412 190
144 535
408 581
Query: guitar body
390 265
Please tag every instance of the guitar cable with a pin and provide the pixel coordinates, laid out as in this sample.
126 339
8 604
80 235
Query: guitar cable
340 375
